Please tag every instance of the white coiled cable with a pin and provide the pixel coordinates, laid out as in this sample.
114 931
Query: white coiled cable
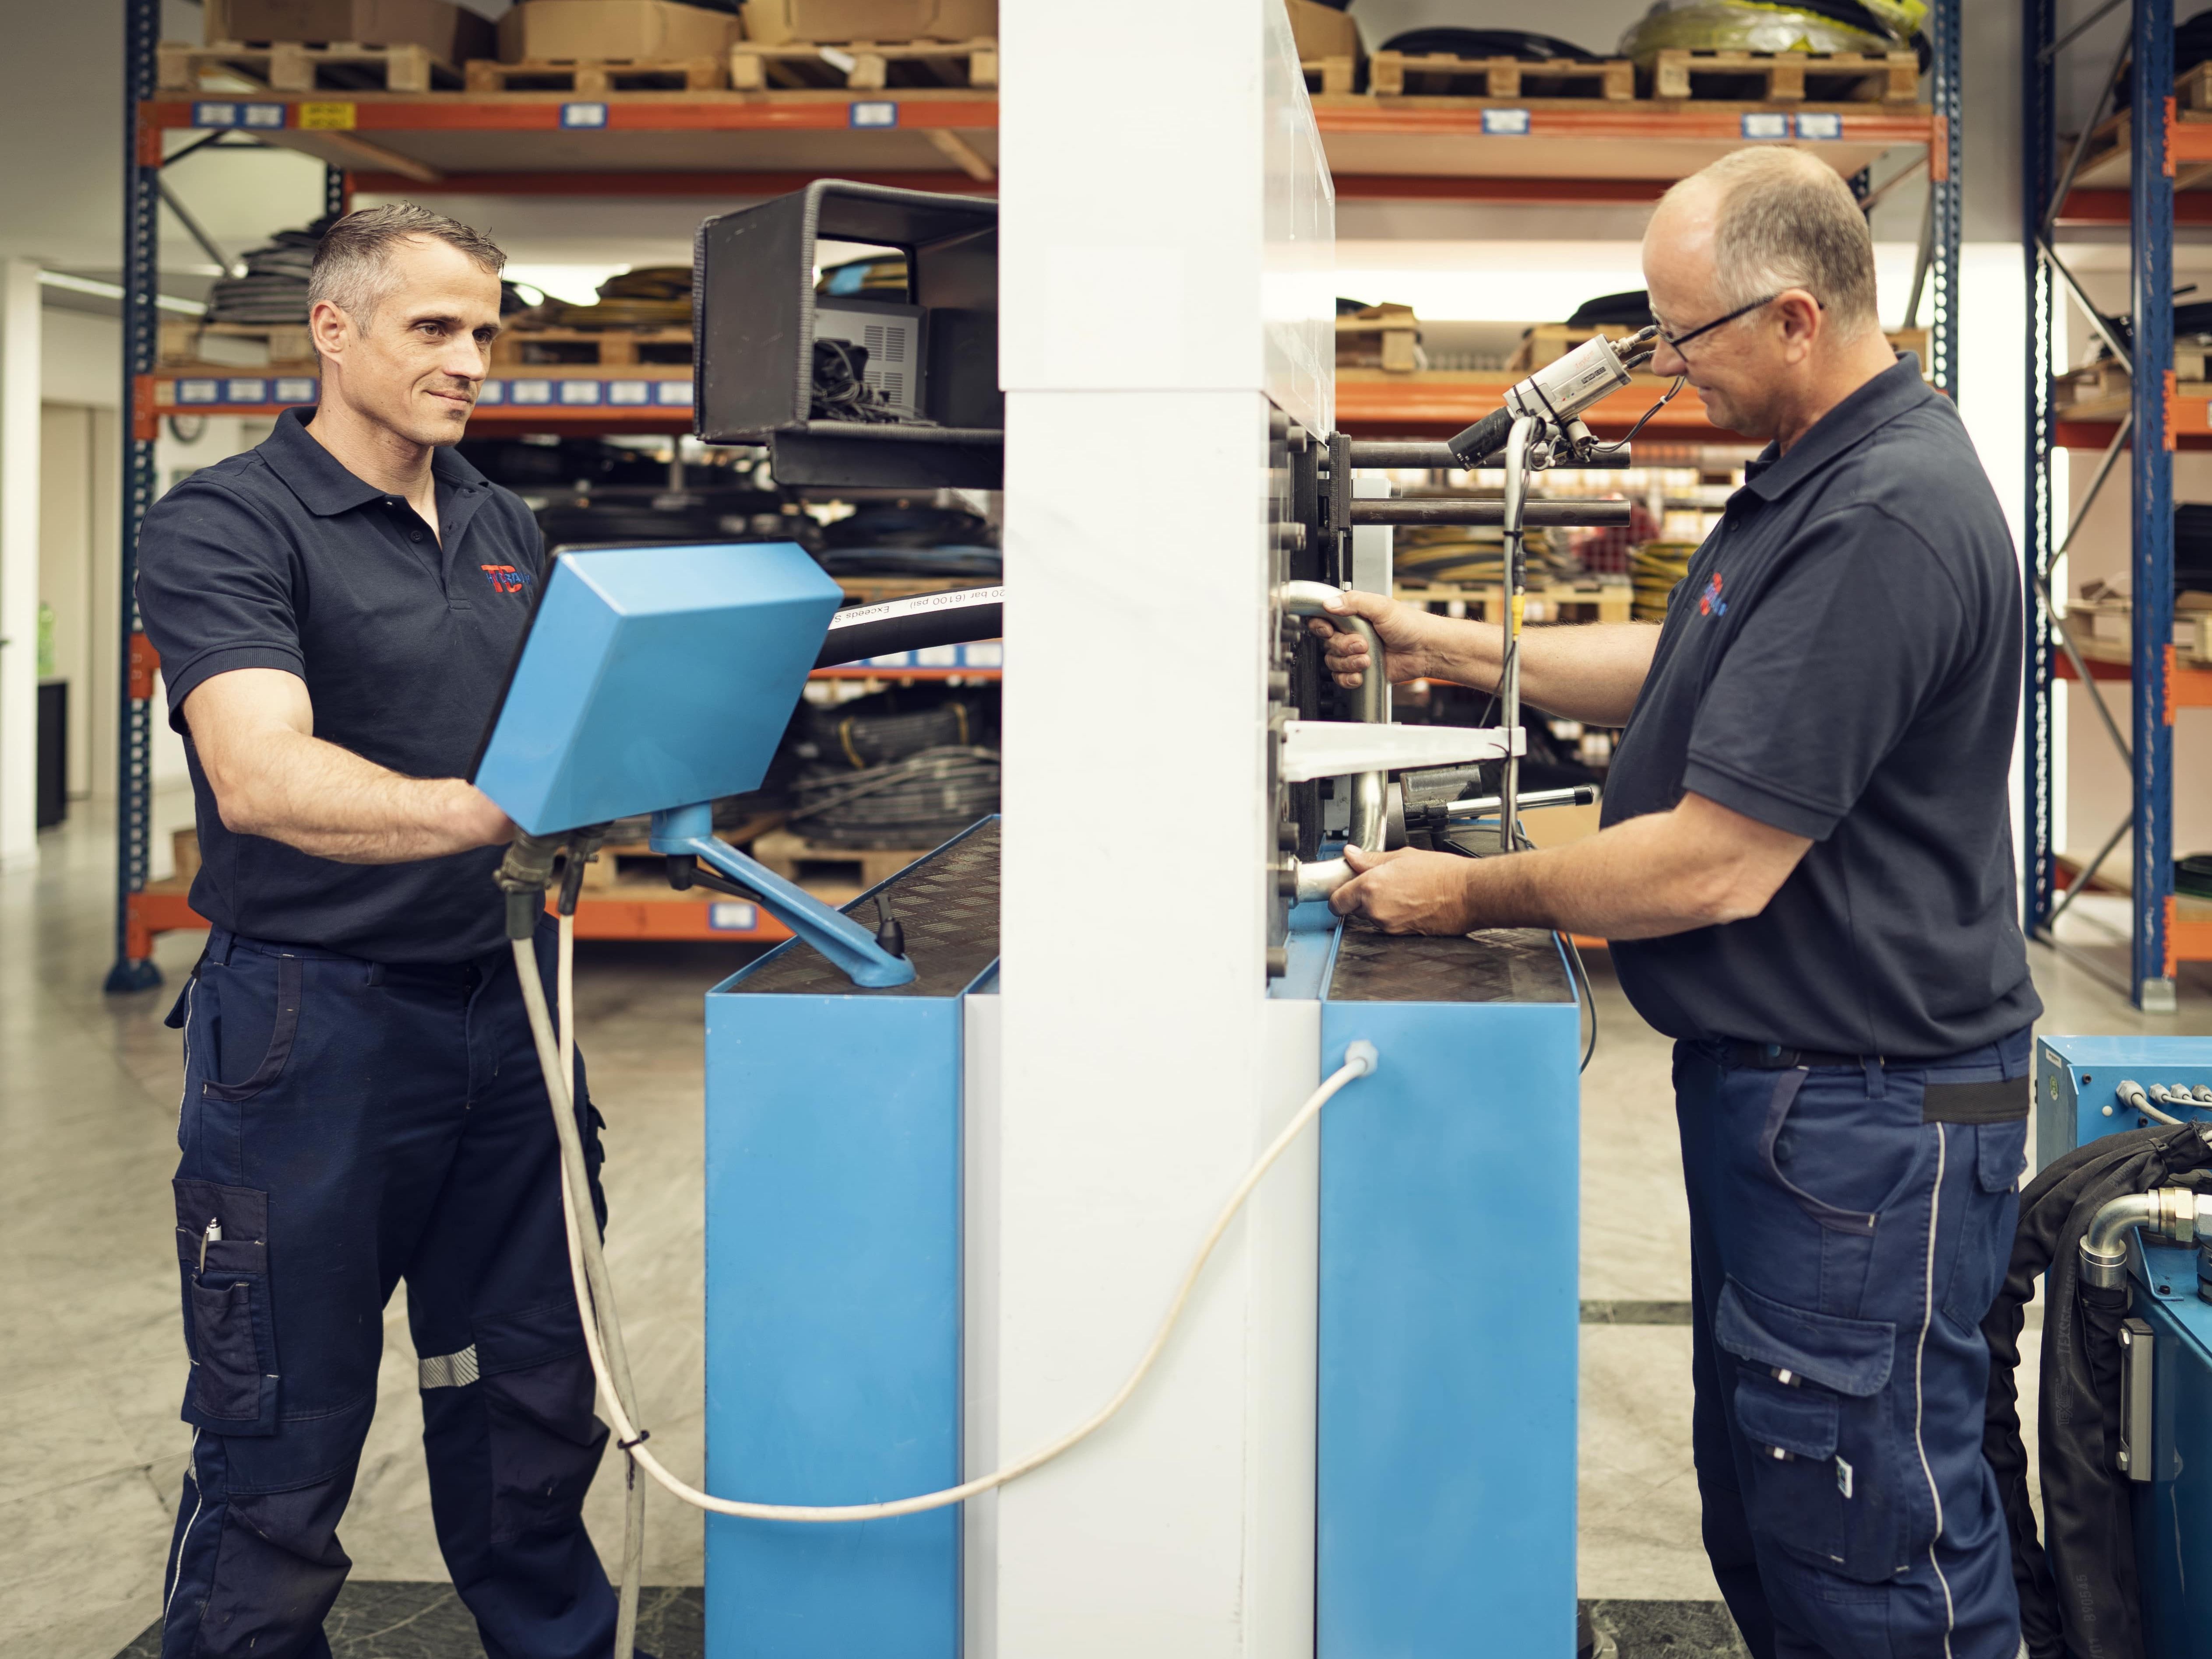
603 1338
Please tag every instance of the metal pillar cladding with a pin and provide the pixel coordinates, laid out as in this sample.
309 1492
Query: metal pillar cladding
2038 161
1945 198
1141 1071
134 747
2151 202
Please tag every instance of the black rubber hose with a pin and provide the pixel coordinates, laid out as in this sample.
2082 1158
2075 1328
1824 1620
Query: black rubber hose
1485 437
959 617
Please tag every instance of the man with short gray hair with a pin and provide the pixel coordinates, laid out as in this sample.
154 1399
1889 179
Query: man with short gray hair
336 612
1806 872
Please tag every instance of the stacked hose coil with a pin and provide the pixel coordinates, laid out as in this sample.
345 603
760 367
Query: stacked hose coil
922 800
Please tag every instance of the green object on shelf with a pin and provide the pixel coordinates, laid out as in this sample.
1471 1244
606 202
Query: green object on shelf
46 641
2193 875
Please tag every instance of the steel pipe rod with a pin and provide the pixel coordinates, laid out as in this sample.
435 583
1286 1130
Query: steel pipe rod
1549 514
1439 456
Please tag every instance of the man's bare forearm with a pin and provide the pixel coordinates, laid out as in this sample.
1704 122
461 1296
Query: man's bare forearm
1590 671
329 801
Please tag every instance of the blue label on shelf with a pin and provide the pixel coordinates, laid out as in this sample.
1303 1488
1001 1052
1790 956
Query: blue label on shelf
874 114
297 389
580 391
199 391
492 392
673 394
1505 123
728 916
631 393
1764 124
1830 125
530 391
246 391
225 113
583 115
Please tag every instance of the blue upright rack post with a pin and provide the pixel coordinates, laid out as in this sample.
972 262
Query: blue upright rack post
2039 163
1944 198
2147 59
134 780
2150 190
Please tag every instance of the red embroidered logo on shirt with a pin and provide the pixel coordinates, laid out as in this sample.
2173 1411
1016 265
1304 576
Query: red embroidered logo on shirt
505 578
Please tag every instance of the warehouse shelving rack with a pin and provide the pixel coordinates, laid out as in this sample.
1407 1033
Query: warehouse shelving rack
2082 189
734 144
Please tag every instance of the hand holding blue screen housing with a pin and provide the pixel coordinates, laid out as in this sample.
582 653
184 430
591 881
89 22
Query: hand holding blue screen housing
659 679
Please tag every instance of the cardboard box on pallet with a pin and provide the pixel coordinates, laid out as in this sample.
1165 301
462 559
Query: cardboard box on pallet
773 23
444 30
1322 31
657 31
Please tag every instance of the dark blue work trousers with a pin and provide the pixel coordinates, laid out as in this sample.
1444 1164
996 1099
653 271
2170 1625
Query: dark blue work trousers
1844 1250
345 1126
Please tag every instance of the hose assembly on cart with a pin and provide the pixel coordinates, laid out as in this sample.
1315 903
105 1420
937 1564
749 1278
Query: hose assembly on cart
524 877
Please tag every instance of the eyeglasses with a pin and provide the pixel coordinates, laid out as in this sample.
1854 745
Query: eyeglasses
1676 342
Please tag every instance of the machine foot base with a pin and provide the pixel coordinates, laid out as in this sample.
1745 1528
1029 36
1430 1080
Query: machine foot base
2156 996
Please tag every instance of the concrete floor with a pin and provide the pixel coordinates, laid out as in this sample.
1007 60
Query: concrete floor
91 1451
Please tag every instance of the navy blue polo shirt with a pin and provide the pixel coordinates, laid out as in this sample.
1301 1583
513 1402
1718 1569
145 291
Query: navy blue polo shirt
280 558
1843 661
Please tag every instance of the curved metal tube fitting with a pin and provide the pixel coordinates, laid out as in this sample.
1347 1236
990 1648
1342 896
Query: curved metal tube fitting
1370 798
2177 1212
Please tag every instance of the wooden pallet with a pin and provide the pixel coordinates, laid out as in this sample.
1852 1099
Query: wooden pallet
616 348
595 76
1788 78
1391 74
811 863
1385 336
2104 391
1548 343
1334 77
1545 602
290 345
305 66
864 65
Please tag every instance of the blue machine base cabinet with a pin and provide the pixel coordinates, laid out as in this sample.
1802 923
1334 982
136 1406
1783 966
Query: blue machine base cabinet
1445 1422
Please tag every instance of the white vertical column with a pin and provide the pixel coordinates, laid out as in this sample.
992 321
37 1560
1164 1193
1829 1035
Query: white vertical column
20 372
1148 317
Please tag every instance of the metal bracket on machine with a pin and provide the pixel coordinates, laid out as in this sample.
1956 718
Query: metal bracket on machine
1330 749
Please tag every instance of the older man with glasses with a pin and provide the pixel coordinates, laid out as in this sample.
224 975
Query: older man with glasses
1807 872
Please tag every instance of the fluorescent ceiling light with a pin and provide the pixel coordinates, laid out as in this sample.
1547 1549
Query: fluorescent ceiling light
110 291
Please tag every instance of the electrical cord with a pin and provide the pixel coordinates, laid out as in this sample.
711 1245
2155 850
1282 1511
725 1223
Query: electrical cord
602 1327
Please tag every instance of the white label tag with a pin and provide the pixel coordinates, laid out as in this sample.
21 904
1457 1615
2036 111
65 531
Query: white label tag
1843 1477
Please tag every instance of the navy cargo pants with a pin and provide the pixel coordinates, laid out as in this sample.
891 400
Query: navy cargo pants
1850 1226
345 1126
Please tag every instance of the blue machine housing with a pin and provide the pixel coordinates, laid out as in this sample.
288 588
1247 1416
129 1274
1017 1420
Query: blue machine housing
2074 1081
654 678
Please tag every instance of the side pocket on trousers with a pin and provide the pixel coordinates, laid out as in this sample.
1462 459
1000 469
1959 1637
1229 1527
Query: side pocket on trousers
1810 1400
283 1028
230 1332
1982 1250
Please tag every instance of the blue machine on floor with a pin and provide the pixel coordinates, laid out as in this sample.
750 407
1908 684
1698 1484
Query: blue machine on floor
2078 1097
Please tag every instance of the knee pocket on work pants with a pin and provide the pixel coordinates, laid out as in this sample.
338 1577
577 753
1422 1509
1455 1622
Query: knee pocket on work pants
1983 1236
230 1329
1811 1400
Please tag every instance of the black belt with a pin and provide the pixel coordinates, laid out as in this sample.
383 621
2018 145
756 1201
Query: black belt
1998 1100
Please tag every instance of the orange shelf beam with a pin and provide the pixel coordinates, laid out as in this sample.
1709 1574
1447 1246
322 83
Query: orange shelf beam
164 909
1439 404
636 111
2186 688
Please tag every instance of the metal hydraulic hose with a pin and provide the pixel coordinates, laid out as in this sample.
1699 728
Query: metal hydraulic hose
1370 790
